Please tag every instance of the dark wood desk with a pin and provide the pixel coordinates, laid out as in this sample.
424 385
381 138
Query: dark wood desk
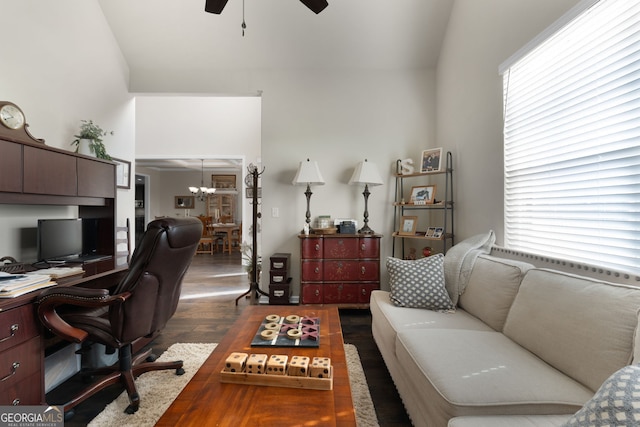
22 344
205 401
33 173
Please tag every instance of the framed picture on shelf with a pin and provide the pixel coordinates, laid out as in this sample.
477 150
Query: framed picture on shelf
422 194
430 232
437 233
223 182
123 173
408 225
431 160
184 202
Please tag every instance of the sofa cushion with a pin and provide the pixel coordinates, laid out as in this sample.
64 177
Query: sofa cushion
580 326
636 342
492 286
418 283
460 372
617 402
459 261
509 421
387 319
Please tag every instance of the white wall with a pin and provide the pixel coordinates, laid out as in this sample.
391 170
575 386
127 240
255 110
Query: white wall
480 36
338 120
197 127
61 64
335 118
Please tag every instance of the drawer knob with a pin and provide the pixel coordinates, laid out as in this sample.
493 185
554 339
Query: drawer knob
363 270
317 292
317 246
317 270
14 329
364 291
363 247
15 402
14 368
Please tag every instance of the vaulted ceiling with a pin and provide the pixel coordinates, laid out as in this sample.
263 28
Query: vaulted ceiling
280 34
179 36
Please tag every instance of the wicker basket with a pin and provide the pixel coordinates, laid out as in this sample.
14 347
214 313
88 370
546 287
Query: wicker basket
10 265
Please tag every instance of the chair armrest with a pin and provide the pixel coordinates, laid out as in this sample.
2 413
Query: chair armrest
51 298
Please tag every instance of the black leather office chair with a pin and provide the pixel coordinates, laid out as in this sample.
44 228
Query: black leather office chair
138 306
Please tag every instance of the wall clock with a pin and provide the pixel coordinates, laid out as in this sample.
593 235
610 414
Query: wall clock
11 116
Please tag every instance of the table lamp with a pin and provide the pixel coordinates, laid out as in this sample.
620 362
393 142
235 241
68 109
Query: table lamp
308 174
366 173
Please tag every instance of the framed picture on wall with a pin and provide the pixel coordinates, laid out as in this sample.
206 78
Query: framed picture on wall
123 173
184 202
431 160
223 182
249 192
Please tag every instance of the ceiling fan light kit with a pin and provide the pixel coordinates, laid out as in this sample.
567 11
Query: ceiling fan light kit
216 6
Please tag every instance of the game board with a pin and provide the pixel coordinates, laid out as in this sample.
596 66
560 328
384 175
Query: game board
288 331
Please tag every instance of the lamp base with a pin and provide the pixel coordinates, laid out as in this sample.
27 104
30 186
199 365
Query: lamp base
366 230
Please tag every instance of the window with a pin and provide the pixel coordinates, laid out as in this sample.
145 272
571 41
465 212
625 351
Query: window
572 140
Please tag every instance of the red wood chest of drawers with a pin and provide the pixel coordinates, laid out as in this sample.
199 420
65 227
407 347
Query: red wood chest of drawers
339 268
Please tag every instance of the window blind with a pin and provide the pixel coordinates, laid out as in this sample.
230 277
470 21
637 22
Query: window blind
572 141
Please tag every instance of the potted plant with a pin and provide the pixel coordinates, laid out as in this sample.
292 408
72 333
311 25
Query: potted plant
247 261
90 136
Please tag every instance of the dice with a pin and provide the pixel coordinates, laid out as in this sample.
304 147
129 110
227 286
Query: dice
277 364
256 363
320 367
299 366
235 362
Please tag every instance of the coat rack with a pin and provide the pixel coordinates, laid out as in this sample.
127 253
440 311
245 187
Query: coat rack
254 287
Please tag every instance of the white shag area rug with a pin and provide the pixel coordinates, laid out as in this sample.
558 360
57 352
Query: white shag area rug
159 389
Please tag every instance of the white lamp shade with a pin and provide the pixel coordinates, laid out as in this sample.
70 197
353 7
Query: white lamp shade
366 173
308 173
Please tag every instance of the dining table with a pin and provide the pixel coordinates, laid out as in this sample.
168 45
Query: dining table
227 228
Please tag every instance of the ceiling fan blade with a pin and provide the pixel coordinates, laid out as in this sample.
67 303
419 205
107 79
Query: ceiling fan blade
315 5
215 6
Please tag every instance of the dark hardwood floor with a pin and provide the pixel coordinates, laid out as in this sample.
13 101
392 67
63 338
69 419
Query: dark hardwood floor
207 309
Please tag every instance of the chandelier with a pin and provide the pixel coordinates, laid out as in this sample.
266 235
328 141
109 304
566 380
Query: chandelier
202 192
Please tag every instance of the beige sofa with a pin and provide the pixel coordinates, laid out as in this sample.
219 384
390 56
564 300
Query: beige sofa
524 346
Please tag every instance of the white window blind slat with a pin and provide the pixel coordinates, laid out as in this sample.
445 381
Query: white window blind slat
572 141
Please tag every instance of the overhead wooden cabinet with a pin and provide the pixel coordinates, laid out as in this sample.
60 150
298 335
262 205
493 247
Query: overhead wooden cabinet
33 173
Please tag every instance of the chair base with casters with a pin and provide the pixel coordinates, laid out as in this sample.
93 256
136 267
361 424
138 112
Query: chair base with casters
136 309
126 370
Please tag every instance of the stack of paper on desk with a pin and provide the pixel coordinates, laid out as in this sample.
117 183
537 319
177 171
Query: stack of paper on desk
13 285
58 272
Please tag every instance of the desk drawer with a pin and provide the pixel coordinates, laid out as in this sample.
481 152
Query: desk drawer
19 363
25 392
17 326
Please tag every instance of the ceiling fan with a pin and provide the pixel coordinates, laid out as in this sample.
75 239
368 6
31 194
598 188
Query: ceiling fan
216 6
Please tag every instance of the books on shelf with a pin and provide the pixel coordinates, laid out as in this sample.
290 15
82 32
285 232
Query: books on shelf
13 285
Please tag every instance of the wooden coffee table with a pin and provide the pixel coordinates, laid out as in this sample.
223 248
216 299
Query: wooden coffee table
206 401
